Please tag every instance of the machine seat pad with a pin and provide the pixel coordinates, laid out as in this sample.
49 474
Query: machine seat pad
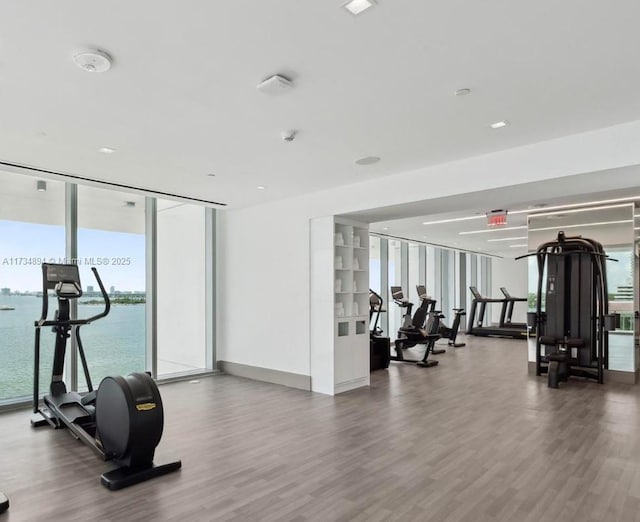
559 356
548 340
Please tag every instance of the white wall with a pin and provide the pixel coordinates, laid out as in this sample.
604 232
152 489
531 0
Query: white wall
512 275
263 251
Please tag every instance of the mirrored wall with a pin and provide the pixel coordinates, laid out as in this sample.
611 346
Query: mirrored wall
447 275
613 227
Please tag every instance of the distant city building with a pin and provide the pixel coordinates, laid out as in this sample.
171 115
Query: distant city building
624 293
89 289
5 291
112 290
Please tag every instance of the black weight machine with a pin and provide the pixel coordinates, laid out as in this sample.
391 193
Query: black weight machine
449 333
410 334
123 419
572 317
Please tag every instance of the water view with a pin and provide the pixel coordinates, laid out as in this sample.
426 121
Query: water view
113 345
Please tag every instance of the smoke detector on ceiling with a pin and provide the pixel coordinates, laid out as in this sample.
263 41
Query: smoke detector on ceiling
275 85
93 61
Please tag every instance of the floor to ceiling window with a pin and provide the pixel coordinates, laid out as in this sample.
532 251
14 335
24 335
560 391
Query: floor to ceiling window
31 232
111 238
394 312
414 278
57 222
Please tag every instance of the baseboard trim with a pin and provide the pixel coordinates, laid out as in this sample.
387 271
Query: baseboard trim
292 380
351 385
621 377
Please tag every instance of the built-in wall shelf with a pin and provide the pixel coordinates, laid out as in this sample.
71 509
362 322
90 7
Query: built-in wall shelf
339 305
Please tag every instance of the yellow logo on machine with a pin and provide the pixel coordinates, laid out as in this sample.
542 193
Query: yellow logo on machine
146 406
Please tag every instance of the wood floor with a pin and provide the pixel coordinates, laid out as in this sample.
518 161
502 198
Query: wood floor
473 439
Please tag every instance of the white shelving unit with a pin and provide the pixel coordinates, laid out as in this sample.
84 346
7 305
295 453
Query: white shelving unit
339 305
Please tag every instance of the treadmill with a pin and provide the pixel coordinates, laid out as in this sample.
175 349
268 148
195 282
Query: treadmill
505 318
475 327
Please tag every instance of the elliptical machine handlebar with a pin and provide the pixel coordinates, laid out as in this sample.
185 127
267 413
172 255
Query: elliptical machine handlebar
71 279
105 296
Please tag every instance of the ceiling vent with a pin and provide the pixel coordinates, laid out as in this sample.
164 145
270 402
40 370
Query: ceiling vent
275 85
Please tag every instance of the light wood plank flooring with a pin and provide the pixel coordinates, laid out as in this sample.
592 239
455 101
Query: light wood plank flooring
473 439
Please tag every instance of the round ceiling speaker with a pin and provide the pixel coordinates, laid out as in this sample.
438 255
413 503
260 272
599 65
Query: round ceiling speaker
93 61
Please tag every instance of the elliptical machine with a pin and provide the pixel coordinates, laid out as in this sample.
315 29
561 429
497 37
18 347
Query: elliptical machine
123 419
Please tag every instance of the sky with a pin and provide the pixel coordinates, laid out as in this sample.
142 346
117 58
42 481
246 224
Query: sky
118 256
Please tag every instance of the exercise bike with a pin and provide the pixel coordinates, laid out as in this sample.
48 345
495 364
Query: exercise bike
410 334
123 419
426 303
449 333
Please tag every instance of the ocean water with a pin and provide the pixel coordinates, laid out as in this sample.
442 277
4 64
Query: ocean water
114 345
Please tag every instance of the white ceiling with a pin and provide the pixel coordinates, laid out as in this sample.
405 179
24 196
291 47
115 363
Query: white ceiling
180 101
407 221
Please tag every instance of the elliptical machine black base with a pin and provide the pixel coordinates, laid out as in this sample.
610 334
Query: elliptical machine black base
4 502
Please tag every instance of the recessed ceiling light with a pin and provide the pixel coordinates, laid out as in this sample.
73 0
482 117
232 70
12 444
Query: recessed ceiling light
106 150
261 187
463 92
41 185
93 61
385 228
519 245
211 175
356 7
499 124
130 204
368 160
